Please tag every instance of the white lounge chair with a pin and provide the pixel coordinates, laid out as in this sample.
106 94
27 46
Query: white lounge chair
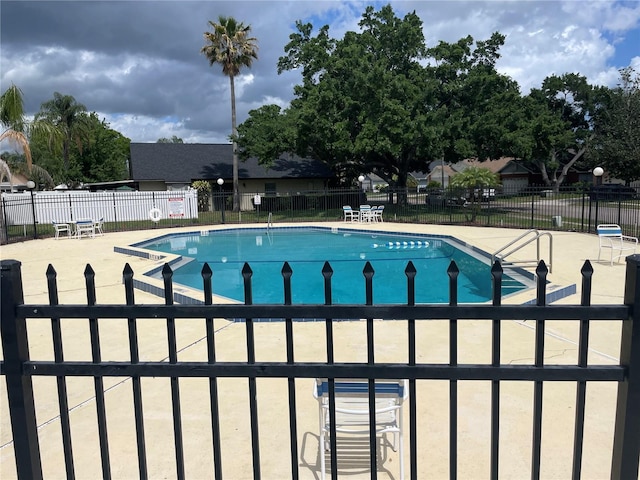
61 227
352 412
349 214
610 237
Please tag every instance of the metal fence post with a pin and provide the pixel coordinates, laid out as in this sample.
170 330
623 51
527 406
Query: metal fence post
626 440
15 348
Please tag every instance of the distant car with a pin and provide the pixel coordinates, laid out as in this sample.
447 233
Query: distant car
483 194
444 198
613 191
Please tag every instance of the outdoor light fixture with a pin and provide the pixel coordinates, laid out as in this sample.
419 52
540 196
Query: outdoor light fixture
362 195
31 185
597 173
220 181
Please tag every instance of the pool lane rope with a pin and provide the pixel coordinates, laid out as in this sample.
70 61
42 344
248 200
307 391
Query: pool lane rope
411 244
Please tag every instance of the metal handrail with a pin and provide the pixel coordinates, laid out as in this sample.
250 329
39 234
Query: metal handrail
536 237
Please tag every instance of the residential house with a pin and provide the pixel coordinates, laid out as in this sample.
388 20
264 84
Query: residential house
373 183
514 175
175 166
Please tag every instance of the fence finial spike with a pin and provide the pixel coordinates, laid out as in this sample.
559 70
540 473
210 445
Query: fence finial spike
496 267
368 270
453 269
88 271
206 270
286 270
51 271
166 271
410 271
246 270
327 271
587 269
541 269
127 271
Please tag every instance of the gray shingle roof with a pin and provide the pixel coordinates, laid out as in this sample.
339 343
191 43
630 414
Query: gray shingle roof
185 162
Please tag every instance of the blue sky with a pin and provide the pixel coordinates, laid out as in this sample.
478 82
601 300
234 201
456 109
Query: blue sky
627 49
137 64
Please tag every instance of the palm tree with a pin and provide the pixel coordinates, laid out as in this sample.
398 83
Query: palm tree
13 122
13 125
230 45
475 180
66 115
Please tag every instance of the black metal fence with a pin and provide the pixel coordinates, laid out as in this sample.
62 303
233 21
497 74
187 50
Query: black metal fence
19 370
535 207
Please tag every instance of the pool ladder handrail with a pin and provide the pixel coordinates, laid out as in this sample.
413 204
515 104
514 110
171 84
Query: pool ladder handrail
269 221
524 242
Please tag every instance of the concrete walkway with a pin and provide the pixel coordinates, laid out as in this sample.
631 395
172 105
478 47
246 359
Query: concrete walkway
70 256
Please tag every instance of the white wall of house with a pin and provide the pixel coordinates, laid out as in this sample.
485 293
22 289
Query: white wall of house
267 186
158 186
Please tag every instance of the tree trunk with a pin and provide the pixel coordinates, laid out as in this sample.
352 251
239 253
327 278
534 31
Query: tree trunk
234 132
543 172
565 169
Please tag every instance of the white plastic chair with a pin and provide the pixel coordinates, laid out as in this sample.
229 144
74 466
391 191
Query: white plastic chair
86 227
366 213
61 227
98 226
377 213
349 214
352 412
610 237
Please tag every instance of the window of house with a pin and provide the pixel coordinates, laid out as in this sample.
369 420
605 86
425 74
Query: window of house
270 188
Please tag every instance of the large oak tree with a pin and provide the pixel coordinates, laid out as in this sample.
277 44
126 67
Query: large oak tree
379 100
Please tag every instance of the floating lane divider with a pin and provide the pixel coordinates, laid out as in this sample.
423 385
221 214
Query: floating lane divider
410 244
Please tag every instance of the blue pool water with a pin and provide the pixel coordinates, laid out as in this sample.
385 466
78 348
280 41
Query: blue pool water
307 249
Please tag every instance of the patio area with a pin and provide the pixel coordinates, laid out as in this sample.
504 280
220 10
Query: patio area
70 256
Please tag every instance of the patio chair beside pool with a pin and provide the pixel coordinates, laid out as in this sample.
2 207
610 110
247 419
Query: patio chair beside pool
60 227
610 237
86 228
352 412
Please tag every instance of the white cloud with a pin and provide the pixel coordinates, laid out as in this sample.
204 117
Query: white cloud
139 62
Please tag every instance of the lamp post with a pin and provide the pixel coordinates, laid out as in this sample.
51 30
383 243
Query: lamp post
220 181
31 185
362 198
597 173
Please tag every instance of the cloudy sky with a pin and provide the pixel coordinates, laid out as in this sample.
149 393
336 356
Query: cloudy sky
138 63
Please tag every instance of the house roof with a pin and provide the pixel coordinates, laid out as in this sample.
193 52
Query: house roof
437 171
495 166
186 162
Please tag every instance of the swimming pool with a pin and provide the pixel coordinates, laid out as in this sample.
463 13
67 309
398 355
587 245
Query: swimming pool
307 248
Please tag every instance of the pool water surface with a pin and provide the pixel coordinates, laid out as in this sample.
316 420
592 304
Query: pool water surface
306 250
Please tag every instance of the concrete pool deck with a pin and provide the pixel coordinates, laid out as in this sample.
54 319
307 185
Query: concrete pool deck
70 256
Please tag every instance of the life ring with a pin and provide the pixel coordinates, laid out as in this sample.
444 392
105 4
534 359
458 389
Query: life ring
155 214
